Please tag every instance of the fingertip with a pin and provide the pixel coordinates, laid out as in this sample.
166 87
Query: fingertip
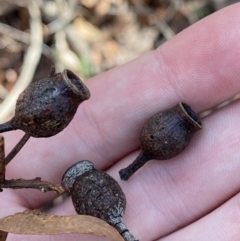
203 59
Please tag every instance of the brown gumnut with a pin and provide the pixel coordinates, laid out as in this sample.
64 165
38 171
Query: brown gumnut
47 106
164 136
97 194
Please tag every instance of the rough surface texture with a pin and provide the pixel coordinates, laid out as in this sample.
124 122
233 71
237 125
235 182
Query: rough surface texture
168 133
47 106
78 169
164 136
97 194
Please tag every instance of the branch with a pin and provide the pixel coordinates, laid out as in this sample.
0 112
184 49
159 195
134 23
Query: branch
36 183
2 160
22 37
30 62
17 148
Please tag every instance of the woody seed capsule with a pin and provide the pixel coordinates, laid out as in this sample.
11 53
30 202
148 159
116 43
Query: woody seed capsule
97 194
164 136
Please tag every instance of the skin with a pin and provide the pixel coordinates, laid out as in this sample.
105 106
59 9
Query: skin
191 197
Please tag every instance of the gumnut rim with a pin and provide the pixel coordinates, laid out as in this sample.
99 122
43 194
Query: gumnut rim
75 84
191 114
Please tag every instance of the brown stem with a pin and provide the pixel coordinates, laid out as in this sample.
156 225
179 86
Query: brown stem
36 183
2 161
17 148
6 127
3 235
124 232
127 172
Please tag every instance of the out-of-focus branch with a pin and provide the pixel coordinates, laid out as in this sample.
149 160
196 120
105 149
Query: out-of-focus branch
30 62
161 24
21 37
67 12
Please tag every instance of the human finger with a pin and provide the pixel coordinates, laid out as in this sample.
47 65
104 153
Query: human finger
107 127
164 196
222 224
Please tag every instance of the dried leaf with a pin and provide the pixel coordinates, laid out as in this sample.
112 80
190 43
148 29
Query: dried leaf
36 222
3 235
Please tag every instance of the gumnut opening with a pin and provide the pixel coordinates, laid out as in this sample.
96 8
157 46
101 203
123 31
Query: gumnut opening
191 114
76 84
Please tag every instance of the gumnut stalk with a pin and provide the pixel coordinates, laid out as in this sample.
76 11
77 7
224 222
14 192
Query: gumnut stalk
97 194
164 136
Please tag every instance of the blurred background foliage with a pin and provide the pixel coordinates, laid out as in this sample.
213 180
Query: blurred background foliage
87 36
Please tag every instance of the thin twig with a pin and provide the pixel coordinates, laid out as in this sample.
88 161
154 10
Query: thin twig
36 183
30 62
2 160
165 29
67 12
3 235
25 3
186 11
22 37
161 24
17 148
61 22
